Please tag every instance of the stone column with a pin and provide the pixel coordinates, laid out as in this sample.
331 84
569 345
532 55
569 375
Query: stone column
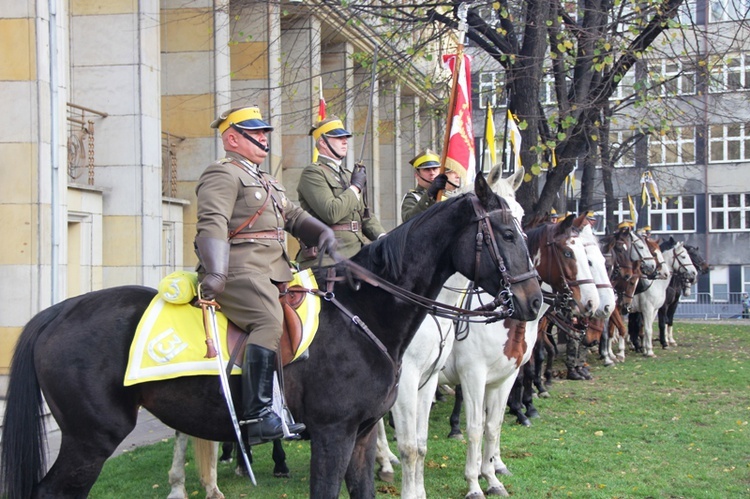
114 67
195 88
32 194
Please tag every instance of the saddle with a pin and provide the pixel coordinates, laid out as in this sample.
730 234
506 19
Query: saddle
290 297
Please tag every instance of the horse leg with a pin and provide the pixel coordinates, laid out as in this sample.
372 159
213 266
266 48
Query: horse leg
226 452
647 319
474 394
206 453
492 463
177 471
331 448
528 390
359 480
515 400
422 432
455 418
382 455
280 469
538 356
663 328
669 321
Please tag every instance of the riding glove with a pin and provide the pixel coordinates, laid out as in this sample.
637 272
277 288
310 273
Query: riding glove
437 185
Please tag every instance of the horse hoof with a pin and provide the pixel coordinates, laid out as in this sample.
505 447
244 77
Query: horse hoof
282 472
532 414
524 421
503 471
673 343
215 494
534 395
474 495
394 461
544 394
497 491
456 435
386 476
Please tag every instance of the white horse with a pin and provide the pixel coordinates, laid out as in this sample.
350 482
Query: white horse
206 453
486 378
648 303
598 272
422 361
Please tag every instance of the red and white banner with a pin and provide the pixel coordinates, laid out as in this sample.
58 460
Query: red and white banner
460 156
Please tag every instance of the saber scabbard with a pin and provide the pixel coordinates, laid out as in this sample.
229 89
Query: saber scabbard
212 340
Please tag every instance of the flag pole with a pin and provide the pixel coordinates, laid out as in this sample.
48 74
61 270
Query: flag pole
484 134
463 10
505 133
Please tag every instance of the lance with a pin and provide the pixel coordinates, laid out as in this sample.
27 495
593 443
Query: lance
463 10
212 329
360 163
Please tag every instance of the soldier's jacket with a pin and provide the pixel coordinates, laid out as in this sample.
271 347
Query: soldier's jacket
415 202
324 192
227 196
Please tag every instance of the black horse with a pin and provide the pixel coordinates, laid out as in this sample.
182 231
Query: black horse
75 352
677 286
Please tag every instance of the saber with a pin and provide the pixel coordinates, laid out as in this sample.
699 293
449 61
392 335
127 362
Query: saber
209 322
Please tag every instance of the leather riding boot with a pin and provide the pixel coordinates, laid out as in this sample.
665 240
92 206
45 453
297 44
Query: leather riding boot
261 423
571 356
584 372
574 375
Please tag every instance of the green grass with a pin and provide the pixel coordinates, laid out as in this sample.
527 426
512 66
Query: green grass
670 427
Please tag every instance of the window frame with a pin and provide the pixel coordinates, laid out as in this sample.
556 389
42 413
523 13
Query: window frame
743 139
725 209
675 140
664 211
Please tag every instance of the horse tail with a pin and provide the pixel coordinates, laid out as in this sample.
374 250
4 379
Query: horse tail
206 456
24 458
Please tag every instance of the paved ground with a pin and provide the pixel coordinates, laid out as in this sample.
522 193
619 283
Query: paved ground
147 431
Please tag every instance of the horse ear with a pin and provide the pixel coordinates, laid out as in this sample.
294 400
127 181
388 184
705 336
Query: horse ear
566 224
495 174
482 189
672 240
516 179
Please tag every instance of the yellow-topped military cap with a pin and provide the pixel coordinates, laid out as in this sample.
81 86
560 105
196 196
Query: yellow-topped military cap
246 118
330 127
626 224
427 158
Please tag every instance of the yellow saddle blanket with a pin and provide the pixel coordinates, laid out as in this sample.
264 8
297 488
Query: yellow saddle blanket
170 341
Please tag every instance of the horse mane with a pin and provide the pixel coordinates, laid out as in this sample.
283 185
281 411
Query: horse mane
386 255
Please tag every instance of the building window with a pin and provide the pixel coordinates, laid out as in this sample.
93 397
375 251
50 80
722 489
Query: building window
490 88
672 147
673 78
720 283
547 93
674 214
622 148
727 10
729 142
746 278
687 13
729 212
729 73
624 89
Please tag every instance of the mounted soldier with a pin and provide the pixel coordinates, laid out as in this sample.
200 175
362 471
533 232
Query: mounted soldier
429 183
335 195
242 215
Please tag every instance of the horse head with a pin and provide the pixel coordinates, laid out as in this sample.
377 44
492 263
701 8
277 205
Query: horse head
682 267
560 259
699 262
639 251
662 270
498 244
598 267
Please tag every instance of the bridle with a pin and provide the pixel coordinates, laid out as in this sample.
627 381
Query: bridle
642 256
560 301
485 236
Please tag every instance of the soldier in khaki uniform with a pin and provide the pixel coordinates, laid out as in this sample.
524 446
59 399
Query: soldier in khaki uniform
429 182
334 195
242 215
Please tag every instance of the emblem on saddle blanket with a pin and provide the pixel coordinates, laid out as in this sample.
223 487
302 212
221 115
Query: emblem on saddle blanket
170 339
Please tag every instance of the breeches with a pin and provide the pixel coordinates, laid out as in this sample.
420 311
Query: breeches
252 303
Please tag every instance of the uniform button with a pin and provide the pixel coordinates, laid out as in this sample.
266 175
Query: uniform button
257 195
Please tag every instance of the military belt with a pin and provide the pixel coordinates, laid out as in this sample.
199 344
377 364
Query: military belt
352 226
278 235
